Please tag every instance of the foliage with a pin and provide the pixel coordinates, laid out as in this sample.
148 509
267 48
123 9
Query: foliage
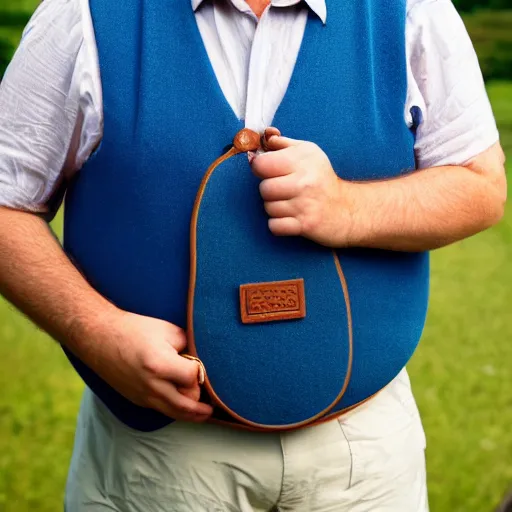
461 372
491 33
5 54
11 25
471 5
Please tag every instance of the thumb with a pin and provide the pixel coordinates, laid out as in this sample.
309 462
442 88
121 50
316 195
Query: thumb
274 142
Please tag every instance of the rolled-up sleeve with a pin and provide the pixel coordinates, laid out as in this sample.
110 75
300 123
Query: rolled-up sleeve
39 108
458 122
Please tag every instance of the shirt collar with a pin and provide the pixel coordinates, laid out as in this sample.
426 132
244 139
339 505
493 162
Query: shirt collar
319 7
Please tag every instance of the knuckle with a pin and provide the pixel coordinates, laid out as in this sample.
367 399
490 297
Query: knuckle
151 394
311 147
307 206
305 182
155 366
288 160
304 149
306 224
176 332
151 364
268 189
177 336
309 223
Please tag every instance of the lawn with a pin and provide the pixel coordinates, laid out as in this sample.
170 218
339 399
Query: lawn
462 370
461 375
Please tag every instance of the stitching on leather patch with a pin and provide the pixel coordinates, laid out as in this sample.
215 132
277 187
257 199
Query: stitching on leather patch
273 301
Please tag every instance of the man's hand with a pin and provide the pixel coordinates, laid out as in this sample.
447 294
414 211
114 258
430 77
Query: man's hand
139 357
418 211
301 190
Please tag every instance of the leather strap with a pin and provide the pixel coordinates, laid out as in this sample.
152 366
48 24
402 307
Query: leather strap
248 141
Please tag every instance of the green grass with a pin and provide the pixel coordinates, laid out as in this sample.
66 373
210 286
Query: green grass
461 372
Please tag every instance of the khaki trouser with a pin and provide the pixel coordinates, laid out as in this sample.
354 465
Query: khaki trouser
370 460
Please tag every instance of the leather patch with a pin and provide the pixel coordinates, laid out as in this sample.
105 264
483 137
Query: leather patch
270 302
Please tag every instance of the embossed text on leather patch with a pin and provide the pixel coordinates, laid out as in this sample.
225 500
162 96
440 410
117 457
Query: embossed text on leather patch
270 302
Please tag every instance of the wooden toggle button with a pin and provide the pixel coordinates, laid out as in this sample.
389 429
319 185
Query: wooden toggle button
247 140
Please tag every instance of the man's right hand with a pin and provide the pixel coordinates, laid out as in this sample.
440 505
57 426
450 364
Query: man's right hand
139 357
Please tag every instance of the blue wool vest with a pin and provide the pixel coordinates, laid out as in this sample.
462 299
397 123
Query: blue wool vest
129 209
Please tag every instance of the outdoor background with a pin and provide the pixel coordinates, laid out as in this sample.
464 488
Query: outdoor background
461 374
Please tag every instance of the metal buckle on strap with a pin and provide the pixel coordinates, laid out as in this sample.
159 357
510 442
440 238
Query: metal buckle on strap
202 369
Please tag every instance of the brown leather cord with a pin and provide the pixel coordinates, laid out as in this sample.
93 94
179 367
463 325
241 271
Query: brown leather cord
245 141
193 255
344 286
324 419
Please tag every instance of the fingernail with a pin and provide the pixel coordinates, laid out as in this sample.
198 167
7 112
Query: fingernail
267 136
271 132
264 141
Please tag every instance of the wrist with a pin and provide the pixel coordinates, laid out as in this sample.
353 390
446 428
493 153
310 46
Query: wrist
346 217
93 324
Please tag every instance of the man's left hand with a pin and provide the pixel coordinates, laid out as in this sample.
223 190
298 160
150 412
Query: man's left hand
414 212
301 190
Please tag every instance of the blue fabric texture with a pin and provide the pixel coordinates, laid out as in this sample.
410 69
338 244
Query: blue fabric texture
128 211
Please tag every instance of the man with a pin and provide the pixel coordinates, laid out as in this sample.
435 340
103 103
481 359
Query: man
124 105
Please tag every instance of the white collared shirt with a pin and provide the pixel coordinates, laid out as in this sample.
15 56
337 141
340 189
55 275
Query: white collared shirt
51 111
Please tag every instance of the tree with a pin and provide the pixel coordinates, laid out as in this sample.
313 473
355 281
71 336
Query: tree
6 50
10 20
470 5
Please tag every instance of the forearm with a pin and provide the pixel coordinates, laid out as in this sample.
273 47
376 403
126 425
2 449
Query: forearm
136 355
425 210
38 278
